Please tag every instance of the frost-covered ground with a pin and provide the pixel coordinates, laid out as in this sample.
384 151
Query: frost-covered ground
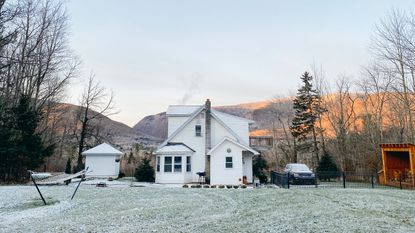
153 208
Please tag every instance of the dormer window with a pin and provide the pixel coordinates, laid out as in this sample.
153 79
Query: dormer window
198 130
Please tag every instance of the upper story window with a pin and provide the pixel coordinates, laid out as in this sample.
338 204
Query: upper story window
228 162
198 130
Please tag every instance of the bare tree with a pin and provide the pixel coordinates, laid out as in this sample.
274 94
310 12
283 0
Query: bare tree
341 116
282 114
96 103
394 47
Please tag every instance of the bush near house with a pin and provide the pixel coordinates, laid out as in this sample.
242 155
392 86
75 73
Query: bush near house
144 172
259 168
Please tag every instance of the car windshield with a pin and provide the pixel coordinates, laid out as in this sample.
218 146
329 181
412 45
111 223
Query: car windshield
299 167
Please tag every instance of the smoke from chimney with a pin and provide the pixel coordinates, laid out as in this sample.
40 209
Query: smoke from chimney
192 85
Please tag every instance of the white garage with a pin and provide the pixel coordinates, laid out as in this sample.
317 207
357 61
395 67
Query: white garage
102 161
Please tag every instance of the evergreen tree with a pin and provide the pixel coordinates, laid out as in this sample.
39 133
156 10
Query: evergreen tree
259 166
307 109
21 147
327 168
144 172
68 166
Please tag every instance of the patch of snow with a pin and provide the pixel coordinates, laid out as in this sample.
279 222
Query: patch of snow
161 208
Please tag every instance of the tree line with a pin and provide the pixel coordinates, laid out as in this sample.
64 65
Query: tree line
37 66
350 118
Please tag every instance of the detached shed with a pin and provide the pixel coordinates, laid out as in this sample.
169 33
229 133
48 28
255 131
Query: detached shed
398 164
103 161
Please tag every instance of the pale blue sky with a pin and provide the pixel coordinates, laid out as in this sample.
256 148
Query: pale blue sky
151 53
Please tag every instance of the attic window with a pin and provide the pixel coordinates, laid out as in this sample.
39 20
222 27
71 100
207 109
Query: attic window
198 130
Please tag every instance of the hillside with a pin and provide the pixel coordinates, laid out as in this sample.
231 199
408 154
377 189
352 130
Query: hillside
122 135
273 115
63 119
262 113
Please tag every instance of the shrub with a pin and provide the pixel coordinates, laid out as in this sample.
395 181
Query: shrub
213 186
236 186
206 186
221 186
229 186
110 179
68 166
196 186
121 175
144 172
327 169
259 166
243 186
185 186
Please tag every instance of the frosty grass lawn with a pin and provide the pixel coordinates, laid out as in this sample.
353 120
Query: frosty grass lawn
169 209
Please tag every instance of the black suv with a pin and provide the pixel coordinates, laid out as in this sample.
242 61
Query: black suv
300 173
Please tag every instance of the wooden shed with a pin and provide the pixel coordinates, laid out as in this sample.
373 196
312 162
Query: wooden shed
398 161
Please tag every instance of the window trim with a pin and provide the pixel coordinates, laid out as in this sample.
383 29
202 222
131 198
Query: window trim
168 164
198 133
158 164
227 163
174 164
188 164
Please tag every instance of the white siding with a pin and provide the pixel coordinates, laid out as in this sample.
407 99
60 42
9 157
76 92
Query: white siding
102 165
197 143
247 167
219 132
219 173
174 123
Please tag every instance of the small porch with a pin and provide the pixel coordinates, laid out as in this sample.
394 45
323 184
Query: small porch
398 165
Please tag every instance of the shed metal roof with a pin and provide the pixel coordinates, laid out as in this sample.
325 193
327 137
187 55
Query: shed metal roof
103 149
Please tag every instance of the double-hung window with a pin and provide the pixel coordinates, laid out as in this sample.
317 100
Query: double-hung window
198 130
228 162
178 164
188 164
158 164
167 163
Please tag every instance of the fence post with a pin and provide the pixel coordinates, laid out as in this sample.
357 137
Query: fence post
288 180
344 179
373 182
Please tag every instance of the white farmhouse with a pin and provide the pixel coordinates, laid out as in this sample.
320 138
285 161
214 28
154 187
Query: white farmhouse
102 161
201 139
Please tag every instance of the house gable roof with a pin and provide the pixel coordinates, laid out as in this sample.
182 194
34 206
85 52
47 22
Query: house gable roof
234 142
182 110
193 111
103 149
174 148
223 114
221 122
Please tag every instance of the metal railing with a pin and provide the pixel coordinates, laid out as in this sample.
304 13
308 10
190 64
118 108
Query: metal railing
333 180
